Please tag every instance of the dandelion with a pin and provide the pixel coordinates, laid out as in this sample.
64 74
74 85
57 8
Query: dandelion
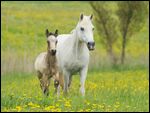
18 108
49 108
67 104
33 105
30 104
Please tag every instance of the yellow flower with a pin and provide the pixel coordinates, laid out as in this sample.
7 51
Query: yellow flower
49 108
33 105
18 108
30 104
67 104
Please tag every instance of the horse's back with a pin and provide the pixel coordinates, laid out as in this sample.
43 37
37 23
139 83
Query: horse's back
62 38
40 63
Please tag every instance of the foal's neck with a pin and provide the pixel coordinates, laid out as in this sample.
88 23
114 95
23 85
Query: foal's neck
51 60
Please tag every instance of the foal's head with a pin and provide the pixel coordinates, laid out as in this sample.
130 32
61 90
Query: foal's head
51 41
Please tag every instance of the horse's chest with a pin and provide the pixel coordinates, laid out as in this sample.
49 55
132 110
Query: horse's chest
74 66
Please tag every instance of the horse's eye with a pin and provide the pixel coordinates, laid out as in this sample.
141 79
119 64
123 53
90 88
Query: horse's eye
56 42
93 29
82 29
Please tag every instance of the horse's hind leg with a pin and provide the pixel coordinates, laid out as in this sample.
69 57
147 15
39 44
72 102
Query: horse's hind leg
70 79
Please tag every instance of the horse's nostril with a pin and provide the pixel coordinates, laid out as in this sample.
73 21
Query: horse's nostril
53 52
91 45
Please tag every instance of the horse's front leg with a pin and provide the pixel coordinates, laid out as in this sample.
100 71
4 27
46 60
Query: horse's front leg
70 79
66 81
83 74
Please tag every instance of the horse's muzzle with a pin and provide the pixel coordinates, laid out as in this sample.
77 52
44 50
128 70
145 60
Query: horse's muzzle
53 52
91 46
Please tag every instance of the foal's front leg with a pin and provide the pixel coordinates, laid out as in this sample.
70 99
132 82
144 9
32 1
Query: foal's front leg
83 74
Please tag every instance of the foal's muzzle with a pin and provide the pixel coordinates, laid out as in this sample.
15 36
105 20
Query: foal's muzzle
53 52
91 45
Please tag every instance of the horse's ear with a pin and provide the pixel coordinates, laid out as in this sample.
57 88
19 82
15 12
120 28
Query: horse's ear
47 33
91 17
81 16
56 33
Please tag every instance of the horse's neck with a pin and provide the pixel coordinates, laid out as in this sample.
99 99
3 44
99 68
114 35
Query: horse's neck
76 45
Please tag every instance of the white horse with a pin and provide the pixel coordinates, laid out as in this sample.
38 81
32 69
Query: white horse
73 51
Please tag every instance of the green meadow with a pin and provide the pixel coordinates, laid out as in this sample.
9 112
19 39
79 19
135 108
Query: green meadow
119 88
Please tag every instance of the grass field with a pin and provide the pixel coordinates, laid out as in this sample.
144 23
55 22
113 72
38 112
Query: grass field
120 88
105 91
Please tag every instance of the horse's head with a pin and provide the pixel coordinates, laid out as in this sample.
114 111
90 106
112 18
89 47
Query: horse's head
85 31
51 41
44 84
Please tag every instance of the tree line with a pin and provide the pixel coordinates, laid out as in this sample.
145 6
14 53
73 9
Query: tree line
128 18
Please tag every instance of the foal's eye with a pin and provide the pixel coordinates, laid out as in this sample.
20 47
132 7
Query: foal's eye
56 42
93 29
82 29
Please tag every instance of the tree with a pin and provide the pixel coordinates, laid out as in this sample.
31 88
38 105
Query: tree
132 16
106 26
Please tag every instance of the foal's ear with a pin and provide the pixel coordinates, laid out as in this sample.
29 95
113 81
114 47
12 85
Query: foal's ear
56 33
47 33
91 16
81 16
